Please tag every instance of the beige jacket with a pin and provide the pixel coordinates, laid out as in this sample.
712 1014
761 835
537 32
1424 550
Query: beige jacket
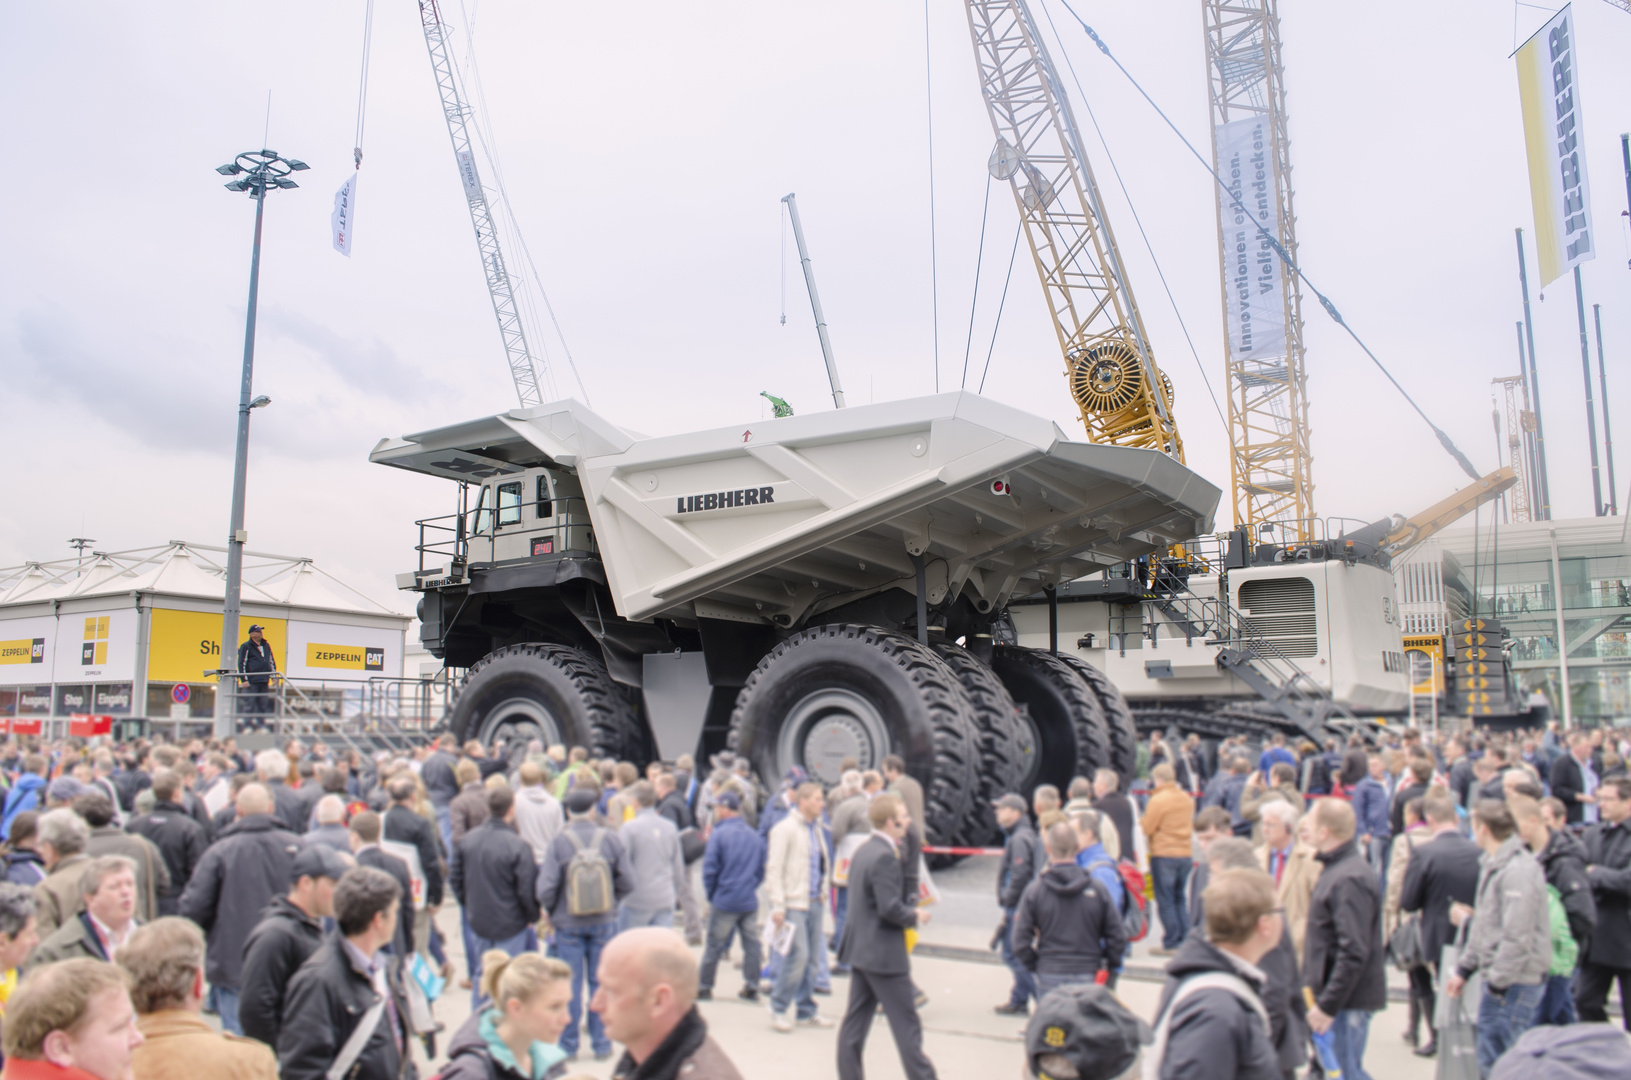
787 865
1296 888
181 1045
57 898
1398 864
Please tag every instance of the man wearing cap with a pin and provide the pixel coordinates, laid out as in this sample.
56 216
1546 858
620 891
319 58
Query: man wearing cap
255 659
874 946
580 938
1022 859
733 867
288 933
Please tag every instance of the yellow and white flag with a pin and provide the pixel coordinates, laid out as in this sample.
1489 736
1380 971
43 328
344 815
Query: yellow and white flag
1549 86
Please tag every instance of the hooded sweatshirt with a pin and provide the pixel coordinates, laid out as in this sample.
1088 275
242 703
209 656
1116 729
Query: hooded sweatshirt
1067 924
1511 936
538 818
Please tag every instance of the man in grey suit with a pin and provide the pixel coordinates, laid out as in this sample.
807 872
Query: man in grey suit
874 946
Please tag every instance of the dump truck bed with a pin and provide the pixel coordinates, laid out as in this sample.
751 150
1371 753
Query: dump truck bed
778 520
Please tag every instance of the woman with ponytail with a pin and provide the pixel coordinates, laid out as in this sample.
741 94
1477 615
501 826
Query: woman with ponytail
513 1037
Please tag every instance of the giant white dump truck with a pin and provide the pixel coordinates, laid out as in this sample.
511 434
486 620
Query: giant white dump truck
801 590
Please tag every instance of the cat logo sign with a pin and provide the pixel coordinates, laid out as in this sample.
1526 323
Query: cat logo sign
23 651
347 657
1426 655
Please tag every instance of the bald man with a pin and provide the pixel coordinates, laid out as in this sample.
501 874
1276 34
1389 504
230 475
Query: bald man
647 1000
238 876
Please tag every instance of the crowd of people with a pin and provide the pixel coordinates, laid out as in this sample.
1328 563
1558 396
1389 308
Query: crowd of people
170 907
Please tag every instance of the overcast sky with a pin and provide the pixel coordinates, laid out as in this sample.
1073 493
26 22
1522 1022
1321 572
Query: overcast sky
645 147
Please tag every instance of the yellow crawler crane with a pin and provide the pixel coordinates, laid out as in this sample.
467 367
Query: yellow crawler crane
1124 398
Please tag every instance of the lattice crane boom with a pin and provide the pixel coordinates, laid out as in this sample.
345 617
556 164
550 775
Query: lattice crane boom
522 369
1270 460
1124 398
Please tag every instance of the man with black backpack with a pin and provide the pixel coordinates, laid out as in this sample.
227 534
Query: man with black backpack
584 876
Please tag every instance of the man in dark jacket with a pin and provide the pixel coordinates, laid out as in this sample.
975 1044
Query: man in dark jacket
494 877
732 870
1342 952
272 768
286 936
1022 859
256 660
347 983
1414 784
181 840
1111 802
403 825
1442 871
1608 866
580 938
1067 928
441 785
238 876
1223 1030
364 835
1575 782
671 802
874 945
1563 858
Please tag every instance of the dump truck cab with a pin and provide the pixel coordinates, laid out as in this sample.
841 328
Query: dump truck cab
534 514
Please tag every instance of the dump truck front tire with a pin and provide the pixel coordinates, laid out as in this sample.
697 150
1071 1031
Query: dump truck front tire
831 692
553 693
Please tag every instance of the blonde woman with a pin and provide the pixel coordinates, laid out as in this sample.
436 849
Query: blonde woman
514 1036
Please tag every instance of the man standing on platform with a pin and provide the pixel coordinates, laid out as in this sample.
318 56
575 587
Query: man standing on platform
255 660
874 947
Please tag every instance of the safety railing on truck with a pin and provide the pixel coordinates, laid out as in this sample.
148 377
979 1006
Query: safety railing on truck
468 536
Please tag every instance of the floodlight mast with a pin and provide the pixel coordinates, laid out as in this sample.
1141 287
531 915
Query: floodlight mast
255 171
454 109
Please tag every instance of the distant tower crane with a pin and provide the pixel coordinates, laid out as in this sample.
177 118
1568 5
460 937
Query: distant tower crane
1519 423
1124 398
1270 462
522 369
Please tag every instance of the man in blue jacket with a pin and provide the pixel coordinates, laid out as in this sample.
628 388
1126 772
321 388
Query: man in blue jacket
732 869
1371 809
25 793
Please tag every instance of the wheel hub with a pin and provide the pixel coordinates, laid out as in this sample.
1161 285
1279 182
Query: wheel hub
828 726
518 721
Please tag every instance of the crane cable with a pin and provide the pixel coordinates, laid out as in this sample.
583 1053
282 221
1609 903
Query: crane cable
979 261
483 126
1179 315
362 80
1009 280
1285 257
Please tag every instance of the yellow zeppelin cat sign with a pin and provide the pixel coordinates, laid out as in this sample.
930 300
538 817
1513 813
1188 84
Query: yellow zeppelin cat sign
347 657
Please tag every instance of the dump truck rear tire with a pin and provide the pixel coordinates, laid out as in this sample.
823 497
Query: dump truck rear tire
1002 749
1069 721
553 693
1120 726
831 692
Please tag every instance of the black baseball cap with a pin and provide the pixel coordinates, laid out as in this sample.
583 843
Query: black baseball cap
581 800
255 626
729 799
1010 801
317 860
1084 1024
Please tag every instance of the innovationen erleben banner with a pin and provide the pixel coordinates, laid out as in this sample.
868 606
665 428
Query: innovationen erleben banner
1251 269
1549 87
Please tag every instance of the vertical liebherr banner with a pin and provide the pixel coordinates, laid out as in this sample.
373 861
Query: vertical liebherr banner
1549 87
1252 272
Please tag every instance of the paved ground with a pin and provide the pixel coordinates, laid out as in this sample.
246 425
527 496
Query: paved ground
963 1036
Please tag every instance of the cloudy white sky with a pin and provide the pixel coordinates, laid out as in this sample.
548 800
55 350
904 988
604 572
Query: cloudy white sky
646 146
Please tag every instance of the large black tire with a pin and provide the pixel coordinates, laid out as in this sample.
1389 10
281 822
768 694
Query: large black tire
553 693
1208 725
1065 713
1002 761
831 692
1119 724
